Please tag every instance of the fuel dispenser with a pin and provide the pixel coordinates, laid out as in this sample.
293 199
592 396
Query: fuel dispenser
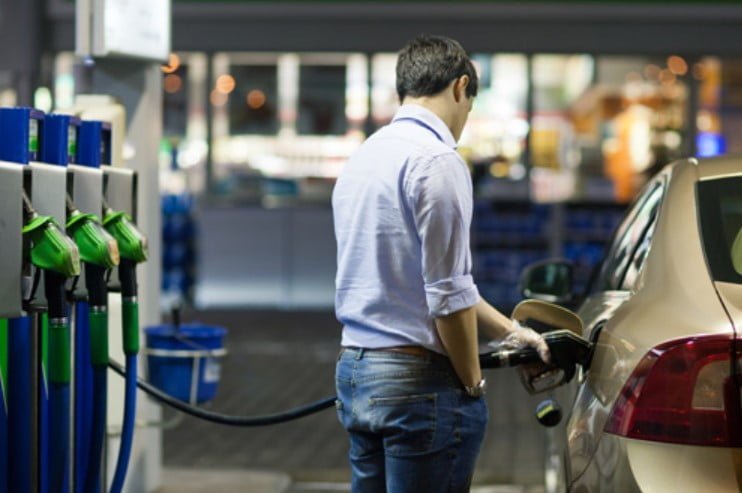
11 280
119 209
37 353
100 254
98 251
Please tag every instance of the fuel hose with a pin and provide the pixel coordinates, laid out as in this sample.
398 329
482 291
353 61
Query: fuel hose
226 419
566 350
59 381
130 327
248 421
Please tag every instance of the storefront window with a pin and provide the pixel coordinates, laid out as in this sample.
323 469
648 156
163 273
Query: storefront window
551 127
559 83
252 92
719 119
384 99
494 140
322 100
602 126
184 147
281 120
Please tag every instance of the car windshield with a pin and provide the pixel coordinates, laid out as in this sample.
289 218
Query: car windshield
720 213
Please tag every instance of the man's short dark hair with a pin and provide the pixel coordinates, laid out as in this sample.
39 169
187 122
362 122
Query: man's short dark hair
428 64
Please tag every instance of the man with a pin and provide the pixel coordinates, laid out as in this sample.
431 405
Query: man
410 389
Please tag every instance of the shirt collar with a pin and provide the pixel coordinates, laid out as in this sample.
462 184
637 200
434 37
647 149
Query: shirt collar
429 118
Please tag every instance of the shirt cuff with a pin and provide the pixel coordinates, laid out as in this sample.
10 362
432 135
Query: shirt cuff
451 295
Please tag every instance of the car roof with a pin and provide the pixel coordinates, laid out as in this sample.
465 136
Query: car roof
717 167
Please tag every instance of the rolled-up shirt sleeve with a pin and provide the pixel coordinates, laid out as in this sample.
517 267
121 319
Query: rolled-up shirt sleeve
440 198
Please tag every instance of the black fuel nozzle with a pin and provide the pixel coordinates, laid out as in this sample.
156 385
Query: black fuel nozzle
567 350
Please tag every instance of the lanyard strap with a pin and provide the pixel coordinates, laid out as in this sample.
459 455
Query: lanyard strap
420 123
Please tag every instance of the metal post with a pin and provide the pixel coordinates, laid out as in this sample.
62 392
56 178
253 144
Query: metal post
692 105
529 111
209 126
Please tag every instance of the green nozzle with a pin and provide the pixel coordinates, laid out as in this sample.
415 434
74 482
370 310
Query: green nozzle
52 249
96 245
132 243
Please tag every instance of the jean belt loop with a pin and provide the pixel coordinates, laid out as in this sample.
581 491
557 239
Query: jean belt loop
359 353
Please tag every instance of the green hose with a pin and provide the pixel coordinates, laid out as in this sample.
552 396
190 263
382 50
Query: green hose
98 336
60 364
130 322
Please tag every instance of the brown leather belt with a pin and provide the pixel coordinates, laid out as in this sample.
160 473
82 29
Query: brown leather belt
411 350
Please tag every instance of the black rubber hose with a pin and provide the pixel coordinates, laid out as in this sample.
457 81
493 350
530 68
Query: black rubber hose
55 295
95 281
225 419
128 278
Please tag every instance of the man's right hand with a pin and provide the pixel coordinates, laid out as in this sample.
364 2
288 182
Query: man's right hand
521 336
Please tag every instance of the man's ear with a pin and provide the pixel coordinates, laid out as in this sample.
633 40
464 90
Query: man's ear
459 87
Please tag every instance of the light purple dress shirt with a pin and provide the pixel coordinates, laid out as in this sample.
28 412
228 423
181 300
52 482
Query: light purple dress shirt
402 208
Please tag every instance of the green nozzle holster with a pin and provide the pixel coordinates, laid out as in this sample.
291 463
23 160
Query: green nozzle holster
132 243
96 245
52 249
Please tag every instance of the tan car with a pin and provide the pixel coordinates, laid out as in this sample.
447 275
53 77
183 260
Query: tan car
658 407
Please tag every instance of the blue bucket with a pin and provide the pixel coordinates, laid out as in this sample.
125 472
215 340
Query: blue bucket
185 363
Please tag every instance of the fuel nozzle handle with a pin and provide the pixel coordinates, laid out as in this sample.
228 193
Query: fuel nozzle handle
97 245
567 350
51 248
133 247
505 358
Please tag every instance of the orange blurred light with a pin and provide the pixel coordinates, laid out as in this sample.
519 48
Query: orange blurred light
255 99
225 83
651 71
699 71
677 65
667 77
218 98
173 64
633 77
172 83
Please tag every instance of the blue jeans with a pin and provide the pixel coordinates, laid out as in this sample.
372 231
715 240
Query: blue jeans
412 428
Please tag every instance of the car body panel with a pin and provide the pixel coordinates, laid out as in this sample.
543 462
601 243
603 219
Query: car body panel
693 468
609 470
621 465
731 296
672 297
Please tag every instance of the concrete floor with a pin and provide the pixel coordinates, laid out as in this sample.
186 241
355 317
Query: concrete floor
281 359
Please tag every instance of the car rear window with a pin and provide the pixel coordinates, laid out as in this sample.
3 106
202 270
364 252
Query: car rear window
720 214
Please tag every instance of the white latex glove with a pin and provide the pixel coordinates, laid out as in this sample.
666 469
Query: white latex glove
522 336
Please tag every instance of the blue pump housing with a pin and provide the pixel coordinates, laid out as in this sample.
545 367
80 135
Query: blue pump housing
94 143
22 130
59 140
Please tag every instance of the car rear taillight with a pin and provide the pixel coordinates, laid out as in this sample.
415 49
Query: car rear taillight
682 392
